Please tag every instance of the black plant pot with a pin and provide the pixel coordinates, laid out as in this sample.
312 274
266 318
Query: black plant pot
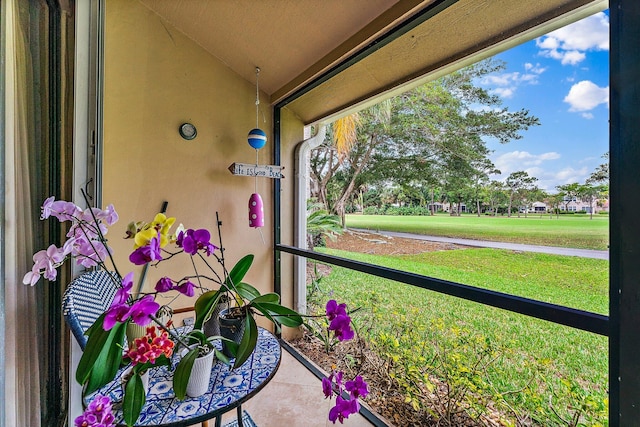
211 327
231 328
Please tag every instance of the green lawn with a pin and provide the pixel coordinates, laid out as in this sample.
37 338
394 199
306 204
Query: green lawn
536 368
573 231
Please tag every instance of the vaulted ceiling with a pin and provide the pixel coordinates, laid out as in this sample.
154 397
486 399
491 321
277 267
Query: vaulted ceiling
343 47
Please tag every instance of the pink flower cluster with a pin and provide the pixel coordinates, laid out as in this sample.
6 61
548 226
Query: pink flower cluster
150 347
97 414
83 239
340 323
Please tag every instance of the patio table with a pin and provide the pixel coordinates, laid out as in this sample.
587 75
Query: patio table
228 389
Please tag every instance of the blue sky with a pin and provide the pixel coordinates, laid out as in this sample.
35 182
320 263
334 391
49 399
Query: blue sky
563 79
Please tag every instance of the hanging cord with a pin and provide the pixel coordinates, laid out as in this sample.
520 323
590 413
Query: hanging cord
255 176
257 94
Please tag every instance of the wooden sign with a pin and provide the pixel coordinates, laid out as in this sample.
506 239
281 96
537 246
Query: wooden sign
263 171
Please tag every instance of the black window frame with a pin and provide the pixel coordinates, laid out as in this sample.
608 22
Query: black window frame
622 326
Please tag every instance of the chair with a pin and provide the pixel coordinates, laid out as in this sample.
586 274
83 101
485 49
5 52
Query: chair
86 298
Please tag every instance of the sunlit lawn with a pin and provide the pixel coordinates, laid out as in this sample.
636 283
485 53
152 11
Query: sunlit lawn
572 231
537 362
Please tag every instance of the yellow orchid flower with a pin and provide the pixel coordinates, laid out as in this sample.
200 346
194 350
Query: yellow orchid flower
162 224
145 232
143 237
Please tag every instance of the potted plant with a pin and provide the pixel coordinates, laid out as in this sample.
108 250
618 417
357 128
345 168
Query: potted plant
193 371
246 303
103 355
150 350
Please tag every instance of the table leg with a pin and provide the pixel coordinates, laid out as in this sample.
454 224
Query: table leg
218 421
205 424
240 424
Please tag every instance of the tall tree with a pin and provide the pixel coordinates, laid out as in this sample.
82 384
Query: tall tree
480 178
569 192
601 174
589 193
416 136
496 194
518 183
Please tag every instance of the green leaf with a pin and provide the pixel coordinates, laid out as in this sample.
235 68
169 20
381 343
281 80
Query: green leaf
248 342
134 399
162 360
196 336
283 315
183 372
232 346
204 306
108 361
238 272
222 357
247 291
102 354
270 297
97 338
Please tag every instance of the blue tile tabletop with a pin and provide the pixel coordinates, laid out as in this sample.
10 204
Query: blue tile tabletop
227 389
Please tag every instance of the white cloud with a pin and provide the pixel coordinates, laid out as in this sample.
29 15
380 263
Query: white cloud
569 43
586 95
504 92
549 179
506 84
587 116
573 57
522 160
540 166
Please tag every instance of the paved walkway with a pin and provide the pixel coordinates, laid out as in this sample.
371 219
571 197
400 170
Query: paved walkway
585 253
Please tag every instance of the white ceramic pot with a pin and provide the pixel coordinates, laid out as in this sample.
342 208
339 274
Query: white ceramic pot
135 331
144 377
200 375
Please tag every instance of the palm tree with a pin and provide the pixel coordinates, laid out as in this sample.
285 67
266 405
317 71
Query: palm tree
321 224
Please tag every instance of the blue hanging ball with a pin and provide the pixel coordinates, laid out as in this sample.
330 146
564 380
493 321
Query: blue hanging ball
257 138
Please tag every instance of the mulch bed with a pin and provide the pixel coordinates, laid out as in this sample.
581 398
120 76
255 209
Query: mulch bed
356 358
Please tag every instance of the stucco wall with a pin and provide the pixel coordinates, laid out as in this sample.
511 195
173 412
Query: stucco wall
291 134
155 79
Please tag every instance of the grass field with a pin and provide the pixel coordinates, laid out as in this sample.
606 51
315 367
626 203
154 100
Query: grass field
572 231
531 369
537 369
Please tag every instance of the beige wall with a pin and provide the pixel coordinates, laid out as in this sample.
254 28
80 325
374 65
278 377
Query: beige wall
291 134
155 79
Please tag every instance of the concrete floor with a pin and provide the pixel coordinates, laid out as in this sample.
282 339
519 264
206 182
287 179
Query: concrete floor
293 398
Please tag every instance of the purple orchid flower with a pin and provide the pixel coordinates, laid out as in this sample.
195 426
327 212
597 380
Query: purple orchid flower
187 288
327 387
59 209
343 409
327 383
341 325
357 388
165 284
334 309
48 260
122 294
97 414
109 215
141 310
148 253
115 314
194 240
